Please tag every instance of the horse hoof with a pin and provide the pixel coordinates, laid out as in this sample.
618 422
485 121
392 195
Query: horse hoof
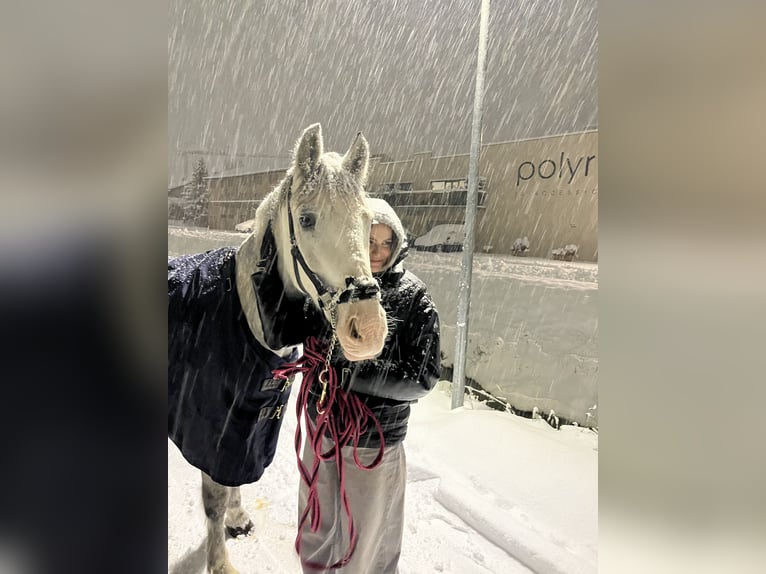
235 531
225 569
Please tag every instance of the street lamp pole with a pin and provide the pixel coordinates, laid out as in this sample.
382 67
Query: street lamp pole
464 292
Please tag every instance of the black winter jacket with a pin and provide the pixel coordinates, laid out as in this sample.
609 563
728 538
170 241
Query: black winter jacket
409 365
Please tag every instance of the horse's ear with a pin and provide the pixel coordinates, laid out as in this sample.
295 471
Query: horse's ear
357 157
308 150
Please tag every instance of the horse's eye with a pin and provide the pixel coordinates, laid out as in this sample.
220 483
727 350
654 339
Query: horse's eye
307 220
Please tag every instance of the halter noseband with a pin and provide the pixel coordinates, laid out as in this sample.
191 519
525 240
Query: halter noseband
329 298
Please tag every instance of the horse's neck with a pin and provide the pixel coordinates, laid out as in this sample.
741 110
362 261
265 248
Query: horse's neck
246 260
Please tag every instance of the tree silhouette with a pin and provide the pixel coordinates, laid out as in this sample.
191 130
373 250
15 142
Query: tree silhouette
196 196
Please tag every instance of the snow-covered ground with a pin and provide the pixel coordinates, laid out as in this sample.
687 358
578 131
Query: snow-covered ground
182 240
522 499
488 492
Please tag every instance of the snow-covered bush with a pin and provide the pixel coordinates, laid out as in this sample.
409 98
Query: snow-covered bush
520 246
566 253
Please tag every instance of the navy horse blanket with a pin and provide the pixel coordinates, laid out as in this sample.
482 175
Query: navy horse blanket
225 409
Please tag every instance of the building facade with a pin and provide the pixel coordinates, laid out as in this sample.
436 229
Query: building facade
545 189
234 198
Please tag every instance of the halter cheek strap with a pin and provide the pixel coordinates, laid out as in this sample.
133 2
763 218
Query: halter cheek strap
355 290
298 258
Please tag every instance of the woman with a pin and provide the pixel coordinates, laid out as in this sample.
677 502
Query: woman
406 370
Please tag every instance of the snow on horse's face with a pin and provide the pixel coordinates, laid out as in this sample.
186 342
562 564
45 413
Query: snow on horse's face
332 227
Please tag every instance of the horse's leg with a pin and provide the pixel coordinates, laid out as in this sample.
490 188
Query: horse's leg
214 499
237 521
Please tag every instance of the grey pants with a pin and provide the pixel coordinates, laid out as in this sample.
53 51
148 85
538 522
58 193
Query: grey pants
377 506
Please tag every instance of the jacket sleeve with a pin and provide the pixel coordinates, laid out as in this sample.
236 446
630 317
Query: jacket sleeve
410 364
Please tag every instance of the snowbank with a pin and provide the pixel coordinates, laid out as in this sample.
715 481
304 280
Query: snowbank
449 235
533 328
527 488
183 240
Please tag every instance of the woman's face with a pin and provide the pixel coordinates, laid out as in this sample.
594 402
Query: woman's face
381 245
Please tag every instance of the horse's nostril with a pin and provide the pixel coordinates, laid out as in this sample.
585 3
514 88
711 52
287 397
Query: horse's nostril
353 329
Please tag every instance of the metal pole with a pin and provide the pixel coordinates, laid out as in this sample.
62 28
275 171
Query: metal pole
464 293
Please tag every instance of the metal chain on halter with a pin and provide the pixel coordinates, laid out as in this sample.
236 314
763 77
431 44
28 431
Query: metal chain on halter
331 347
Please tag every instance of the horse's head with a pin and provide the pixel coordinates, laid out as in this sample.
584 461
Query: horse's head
322 228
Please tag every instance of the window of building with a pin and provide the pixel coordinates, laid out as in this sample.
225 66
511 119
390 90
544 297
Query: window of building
448 184
454 184
396 186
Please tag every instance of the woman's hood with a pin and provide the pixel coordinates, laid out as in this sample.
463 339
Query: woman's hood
385 214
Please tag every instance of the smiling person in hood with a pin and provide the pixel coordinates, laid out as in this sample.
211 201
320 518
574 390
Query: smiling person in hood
406 370
387 236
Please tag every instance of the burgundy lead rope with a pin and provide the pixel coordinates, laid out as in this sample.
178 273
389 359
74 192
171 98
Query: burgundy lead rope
345 418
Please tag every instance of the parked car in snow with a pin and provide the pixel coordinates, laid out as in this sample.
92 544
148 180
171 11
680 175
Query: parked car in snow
445 237
245 226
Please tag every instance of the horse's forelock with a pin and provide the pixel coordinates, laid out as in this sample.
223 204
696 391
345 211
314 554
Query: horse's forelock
331 178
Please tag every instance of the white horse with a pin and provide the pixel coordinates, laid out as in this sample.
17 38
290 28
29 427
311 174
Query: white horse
318 223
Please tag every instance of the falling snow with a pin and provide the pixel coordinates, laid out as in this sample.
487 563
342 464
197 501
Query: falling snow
243 79
488 492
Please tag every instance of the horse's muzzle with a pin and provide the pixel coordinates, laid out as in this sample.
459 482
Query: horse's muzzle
361 329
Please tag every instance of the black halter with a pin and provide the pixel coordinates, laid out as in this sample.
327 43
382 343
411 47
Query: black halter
354 290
